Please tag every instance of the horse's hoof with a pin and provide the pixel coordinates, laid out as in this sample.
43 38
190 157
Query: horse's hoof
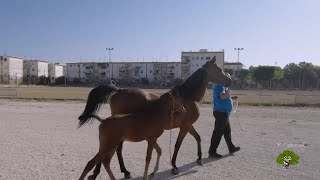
91 177
199 161
127 176
175 171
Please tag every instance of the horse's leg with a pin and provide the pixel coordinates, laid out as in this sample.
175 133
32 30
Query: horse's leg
97 159
121 162
159 152
182 134
195 134
106 164
148 158
96 172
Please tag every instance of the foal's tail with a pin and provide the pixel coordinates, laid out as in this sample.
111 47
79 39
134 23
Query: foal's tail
96 97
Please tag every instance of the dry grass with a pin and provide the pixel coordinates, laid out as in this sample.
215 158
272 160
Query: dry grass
262 97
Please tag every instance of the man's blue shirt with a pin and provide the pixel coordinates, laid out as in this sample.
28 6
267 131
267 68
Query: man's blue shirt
222 105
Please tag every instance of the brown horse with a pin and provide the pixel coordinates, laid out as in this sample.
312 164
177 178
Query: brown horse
126 101
147 125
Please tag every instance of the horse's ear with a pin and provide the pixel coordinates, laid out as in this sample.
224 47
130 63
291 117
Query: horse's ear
213 59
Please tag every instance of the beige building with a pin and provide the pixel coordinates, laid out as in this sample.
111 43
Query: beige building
11 70
35 68
193 60
235 66
55 71
89 72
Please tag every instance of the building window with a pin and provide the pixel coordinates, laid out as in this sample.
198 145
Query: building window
197 58
208 58
1 58
141 71
150 71
5 59
202 58
32 69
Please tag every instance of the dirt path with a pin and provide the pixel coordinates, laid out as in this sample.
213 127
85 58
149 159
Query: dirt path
40 140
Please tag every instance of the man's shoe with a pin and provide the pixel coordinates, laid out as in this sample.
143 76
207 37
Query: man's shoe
233 150
215 155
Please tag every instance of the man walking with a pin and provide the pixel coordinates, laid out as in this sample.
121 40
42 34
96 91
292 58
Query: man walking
222 107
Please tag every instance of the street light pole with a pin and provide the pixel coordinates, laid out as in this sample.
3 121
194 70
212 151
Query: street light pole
300 78
238 49
110 49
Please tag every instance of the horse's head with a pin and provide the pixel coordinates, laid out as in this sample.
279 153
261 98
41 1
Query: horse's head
216 74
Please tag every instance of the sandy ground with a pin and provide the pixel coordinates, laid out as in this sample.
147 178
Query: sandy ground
40 140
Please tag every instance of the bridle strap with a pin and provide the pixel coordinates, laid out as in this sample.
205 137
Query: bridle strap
180 106
207 70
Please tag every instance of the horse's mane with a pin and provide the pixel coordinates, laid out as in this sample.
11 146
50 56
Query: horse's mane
190 86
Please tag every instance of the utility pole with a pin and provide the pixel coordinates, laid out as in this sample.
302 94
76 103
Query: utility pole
238 49
110 49
300 75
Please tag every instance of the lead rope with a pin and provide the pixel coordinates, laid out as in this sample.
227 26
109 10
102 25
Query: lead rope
236 112
171 134
171 121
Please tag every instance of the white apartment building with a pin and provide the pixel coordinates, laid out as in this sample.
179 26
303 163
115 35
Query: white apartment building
11 70
89 72
118 71
101 72
150 71
193 60
73 71
35 68
55 71
235 66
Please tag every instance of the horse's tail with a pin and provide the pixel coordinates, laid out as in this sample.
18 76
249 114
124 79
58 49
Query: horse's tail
96 97
95 116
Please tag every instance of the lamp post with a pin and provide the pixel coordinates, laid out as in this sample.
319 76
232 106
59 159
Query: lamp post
300 75
238 49
110 49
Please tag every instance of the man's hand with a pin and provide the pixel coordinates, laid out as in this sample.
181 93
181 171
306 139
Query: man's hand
234 98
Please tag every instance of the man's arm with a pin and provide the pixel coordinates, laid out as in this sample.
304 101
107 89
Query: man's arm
227 94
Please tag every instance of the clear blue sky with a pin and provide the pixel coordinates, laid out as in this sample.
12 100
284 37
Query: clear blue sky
270 31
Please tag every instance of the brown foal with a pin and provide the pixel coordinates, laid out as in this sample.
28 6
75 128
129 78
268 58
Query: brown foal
147 125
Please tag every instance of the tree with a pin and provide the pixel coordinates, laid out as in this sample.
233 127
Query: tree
177 81
244 75
43 80
263 73
144 81
76 81
291 71
60 80
309 75
34 80
277 74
